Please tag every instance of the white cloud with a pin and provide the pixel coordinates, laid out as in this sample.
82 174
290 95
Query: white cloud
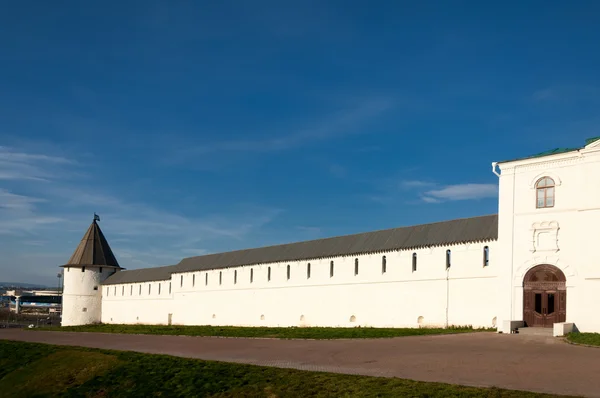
461 192
16 202
408 184
46 220
15 165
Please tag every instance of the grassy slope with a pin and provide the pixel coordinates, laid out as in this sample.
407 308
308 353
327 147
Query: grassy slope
284 333
66 371
585 338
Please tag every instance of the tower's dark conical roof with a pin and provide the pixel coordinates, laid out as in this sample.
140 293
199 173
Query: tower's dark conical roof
93 250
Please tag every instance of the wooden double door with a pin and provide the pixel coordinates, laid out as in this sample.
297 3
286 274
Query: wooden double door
544 308
544 297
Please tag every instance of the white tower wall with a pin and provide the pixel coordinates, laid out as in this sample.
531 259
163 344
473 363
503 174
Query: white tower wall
82 299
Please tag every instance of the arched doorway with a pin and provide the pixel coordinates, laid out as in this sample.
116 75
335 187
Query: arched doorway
544 296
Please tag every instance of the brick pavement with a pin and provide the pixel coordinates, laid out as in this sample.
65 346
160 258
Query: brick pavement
533 363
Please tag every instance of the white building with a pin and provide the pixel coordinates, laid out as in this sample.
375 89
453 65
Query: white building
534 264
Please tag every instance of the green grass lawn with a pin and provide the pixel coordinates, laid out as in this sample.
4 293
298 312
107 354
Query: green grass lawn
38 370
584 338
282 333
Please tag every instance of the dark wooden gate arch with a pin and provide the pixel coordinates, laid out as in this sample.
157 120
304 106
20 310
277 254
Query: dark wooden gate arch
544 296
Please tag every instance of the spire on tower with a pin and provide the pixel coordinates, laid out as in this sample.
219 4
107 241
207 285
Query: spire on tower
93 249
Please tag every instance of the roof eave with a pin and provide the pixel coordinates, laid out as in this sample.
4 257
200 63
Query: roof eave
536 158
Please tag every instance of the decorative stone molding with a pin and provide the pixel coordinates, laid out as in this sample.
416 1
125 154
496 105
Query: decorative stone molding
545 236
539 163
519 274
554 176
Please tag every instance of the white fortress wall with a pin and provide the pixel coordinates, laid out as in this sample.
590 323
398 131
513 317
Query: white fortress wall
431 295
137 303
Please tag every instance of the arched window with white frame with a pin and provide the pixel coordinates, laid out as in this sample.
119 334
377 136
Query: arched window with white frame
544 191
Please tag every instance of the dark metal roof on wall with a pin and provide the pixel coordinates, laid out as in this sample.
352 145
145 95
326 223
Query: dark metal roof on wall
93 250
141 275
475 229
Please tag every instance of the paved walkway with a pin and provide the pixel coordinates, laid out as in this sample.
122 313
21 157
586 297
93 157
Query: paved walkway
518 362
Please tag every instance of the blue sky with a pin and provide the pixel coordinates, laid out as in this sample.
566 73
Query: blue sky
200 127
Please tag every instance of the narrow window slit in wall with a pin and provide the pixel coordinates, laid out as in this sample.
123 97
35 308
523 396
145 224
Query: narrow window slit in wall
169 287
181 284
331 269
355 266
149 288
235 277
448 258
206 279
159 289
82 269
308 271
123 290
383 265
269 274
193 280
486 256
100 270
115 292
220 277
251 275
288 272
140 291
414 262
107 292
131 291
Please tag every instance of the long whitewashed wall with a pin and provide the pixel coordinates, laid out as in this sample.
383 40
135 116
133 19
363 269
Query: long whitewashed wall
464 294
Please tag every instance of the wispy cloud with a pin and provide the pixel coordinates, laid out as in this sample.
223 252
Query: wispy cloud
411 184
337 170
460 192
17 165
13 201
309 230
424 191
566 92
545 94
342 123
18 214
50 218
